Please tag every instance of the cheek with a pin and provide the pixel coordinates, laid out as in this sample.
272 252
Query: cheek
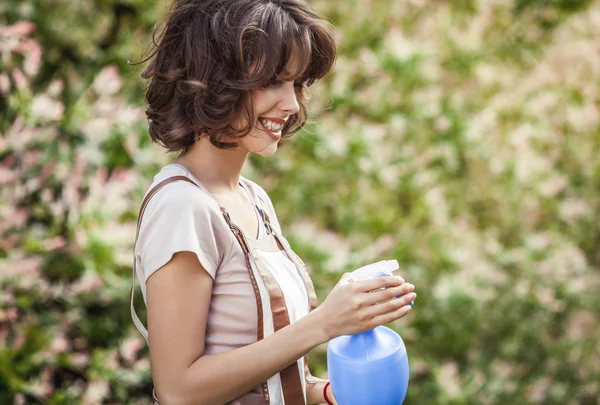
262 99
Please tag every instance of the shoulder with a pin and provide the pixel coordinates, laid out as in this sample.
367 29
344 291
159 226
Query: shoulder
180 205
181 216
182 195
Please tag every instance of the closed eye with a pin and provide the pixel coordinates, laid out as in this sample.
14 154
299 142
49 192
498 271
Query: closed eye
272 83
278 83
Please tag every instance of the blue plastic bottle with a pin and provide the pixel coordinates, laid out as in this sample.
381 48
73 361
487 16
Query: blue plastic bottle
369 368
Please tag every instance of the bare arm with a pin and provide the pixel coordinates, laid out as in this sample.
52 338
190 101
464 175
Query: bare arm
178 300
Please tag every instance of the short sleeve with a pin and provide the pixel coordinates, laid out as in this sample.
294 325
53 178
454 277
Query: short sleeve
181 217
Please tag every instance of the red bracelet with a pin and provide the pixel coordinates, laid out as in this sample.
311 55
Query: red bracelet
325 394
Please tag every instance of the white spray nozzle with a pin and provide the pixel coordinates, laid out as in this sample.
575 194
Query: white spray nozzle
371 271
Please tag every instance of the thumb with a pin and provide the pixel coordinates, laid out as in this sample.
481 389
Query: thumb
346 278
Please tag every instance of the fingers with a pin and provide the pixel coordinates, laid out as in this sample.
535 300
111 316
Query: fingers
343 278
391 316
388 293
377 283
383 308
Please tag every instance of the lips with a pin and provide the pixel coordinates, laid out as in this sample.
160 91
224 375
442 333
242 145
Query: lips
273 135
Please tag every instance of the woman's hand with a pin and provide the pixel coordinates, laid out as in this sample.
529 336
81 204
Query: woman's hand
358 306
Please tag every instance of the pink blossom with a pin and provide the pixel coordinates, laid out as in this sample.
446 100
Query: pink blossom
46 171
46 108
11 241
19 399
59 344
449 378
20 79
21 28
33 55
55 243
142 365
7 297
112 361
572 209
4 84
41 389
88 283
539 389
582 325
20 266
108 82
9 314
55 88
130 347
8 176
80 359
95 393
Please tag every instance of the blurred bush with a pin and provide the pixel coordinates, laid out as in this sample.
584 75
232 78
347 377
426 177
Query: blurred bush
459 137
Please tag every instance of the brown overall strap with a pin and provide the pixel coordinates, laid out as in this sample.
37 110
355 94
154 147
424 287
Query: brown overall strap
291 384
259 310
308 284
136 320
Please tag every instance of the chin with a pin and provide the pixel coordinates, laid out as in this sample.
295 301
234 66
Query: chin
268 151
260 144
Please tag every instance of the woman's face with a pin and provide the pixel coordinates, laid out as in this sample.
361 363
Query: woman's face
273 106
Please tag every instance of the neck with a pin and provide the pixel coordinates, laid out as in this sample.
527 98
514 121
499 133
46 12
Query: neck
218 170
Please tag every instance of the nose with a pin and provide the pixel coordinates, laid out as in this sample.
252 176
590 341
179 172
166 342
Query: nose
289 99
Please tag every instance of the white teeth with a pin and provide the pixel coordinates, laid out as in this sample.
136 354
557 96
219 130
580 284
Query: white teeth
271 125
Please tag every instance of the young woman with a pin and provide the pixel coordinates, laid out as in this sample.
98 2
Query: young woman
232 312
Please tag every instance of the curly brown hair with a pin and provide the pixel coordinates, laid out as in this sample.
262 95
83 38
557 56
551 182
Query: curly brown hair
213 53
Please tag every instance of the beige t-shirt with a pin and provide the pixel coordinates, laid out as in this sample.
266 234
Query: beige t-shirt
182 217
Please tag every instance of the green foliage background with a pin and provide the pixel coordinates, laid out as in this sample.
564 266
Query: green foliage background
461 138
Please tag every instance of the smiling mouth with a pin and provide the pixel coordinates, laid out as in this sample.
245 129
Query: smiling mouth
275 135
270 125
